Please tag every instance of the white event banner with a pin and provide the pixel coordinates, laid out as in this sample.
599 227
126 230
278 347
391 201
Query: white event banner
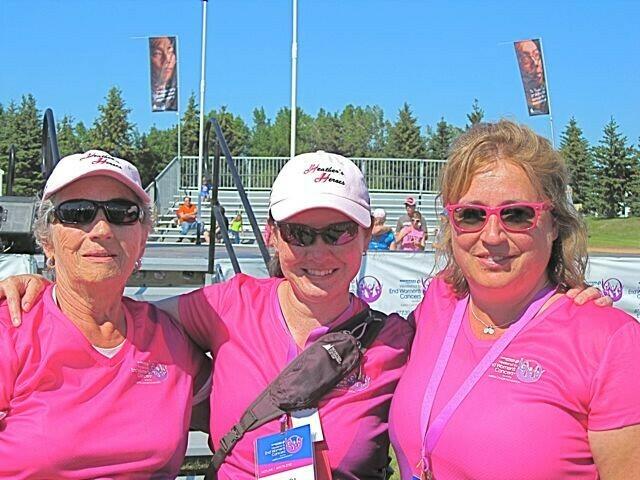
395 281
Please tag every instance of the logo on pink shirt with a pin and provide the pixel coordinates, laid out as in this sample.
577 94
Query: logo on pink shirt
529 371
293 444
522 370
369 289
150 372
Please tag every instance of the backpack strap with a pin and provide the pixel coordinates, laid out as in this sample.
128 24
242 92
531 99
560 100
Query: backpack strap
361 330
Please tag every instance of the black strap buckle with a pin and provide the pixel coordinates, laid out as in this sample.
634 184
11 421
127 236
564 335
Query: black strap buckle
230 439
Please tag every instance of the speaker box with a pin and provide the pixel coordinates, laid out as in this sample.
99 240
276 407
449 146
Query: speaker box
16 224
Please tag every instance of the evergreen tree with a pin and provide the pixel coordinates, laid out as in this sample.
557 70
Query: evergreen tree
190 133
281 133
235 131
84 137
27 137
440 141
476 115
327 132
154 150
405 140
614 162
260 144
576 152
68 142
112 131
363 131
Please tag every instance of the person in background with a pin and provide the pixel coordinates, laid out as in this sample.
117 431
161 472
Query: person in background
235 227
382 237
412 238
84 383
406 220
207 189
187 217
508 378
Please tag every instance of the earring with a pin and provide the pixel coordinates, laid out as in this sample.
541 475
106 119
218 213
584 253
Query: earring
138 265
51 263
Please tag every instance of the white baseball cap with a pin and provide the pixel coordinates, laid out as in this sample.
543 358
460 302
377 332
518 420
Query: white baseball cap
379 213
90 164
320 180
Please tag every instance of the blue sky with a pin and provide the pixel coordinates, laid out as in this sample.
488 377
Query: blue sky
437 56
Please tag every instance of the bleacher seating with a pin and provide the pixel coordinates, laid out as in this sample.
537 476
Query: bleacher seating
393 203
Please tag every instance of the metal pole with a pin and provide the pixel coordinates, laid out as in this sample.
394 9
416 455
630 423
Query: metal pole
201 137
294 73
546 78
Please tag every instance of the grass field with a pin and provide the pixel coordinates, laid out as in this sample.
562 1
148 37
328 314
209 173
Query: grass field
614 233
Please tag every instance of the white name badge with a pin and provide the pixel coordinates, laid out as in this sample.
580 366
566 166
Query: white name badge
285 456
309 417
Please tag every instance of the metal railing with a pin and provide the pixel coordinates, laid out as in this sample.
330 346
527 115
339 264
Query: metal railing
166 185
382 174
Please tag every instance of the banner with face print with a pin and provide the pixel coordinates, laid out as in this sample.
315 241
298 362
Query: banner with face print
163 60
529 54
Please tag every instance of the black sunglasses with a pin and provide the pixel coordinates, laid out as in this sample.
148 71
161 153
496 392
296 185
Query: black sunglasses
82 212
302 235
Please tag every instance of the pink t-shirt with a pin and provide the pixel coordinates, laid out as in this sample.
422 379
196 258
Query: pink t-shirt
572 369
412 239
71 412
241 322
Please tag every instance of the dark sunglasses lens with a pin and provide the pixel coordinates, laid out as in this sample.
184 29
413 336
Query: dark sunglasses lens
76 211
518 217
122 211
340 233
469 218
297 234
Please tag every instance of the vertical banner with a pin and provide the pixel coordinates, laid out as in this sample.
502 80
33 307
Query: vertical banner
529 54
163 60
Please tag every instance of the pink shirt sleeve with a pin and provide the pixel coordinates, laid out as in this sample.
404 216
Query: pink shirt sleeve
615 390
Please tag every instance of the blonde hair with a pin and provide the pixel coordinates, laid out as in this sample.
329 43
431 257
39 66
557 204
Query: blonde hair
482 147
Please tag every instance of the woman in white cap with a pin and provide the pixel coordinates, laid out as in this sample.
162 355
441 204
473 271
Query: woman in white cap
382 237
84 382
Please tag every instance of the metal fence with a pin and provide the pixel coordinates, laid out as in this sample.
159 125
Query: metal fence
382 174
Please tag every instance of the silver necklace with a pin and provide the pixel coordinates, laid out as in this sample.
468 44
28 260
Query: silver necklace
488 328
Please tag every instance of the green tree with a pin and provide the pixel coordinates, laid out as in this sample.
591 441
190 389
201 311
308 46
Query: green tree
68 141
26 135
84 137
261 141
440 141
190 133
576 152
363 131
327 132
154 150
112 131
405 140
476 115
235 131
614 161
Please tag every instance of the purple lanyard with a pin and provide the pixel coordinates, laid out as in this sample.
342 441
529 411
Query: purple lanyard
432 435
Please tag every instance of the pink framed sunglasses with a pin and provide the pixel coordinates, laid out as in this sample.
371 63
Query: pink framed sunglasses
513 217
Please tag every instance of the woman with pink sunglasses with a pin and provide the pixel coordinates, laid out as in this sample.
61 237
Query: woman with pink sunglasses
509 379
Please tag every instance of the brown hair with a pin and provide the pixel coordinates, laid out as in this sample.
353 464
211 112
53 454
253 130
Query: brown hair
479 149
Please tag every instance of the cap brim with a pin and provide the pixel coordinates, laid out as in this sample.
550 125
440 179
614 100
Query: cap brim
133 186
285 209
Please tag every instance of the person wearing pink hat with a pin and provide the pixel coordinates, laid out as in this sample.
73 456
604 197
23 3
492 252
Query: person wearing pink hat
84 381
406 220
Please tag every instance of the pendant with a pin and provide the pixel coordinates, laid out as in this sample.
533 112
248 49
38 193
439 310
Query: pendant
489 330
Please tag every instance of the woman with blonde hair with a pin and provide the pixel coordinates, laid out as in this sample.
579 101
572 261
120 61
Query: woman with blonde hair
507 377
